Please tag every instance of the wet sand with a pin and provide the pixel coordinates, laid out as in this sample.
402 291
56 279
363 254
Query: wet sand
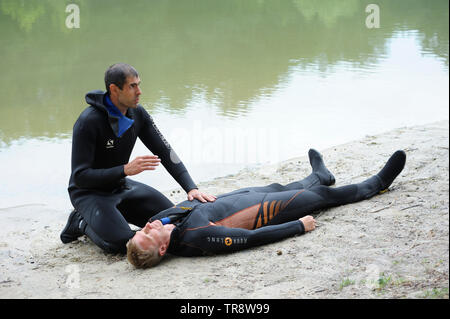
395 245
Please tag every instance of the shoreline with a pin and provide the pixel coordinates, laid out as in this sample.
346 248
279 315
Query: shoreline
392 246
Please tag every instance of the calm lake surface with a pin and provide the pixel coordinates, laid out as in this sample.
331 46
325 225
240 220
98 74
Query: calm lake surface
230 84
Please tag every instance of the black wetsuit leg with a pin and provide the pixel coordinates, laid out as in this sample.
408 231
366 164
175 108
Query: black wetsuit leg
297 204
106 216
319 176
141 201
308 182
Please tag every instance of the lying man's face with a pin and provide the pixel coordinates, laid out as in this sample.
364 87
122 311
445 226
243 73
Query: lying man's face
154 235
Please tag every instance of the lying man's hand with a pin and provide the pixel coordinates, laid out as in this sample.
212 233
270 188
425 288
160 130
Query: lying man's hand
203 197
309 222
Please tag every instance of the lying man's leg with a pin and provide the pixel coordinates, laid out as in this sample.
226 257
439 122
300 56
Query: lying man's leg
250 209
320 175
291 205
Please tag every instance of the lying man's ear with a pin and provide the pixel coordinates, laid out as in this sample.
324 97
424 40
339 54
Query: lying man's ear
162 249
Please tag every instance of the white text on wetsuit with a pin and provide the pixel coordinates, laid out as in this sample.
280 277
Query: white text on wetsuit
227 240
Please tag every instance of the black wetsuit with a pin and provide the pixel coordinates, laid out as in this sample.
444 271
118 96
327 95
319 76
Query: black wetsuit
98 188
258 215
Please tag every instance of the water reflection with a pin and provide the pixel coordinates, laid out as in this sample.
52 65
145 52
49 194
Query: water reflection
225 53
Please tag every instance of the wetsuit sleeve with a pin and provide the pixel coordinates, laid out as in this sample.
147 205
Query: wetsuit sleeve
83 152
158 145
220 239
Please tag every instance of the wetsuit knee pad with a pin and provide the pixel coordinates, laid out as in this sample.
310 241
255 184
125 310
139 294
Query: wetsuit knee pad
324 192
277 187
337 196
369 188
105 225
109 247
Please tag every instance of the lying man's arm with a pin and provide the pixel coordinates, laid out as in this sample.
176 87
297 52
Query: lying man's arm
219 239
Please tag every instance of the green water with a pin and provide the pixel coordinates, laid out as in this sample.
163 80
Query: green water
291 73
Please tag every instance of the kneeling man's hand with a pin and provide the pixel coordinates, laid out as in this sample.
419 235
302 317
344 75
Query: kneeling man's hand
203 197
309 222
140 164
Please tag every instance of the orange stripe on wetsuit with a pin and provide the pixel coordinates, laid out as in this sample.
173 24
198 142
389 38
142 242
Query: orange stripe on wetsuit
271 210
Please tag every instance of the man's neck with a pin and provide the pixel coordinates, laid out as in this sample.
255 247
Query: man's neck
123 109
170 227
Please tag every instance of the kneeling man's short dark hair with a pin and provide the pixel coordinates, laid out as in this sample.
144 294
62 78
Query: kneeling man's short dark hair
117 74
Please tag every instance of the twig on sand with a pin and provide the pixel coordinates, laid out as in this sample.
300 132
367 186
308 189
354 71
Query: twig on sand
405 208
411 207
378 210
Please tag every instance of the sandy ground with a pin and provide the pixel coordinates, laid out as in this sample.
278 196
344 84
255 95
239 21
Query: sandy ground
395 245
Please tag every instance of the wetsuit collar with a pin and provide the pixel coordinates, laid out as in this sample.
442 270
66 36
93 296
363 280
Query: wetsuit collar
124 122
173 243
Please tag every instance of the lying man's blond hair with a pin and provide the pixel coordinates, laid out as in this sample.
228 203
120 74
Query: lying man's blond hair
140 258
